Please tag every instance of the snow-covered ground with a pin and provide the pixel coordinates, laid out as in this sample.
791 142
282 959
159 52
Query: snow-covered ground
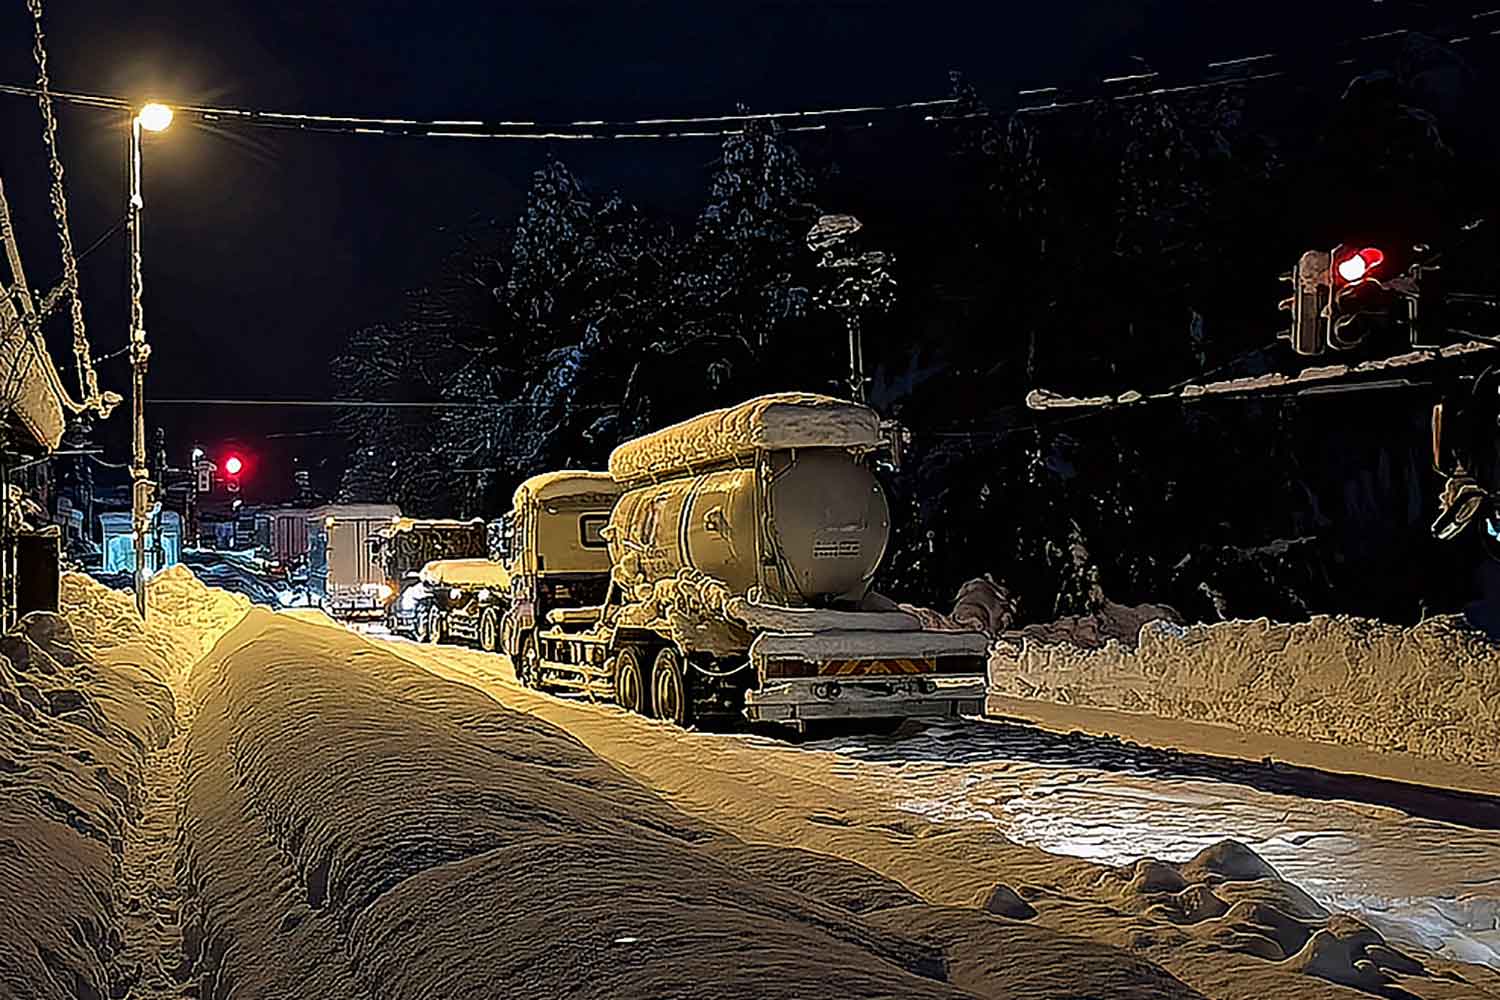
1420 880
266 806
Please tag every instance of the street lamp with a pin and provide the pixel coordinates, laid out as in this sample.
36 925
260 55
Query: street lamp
152 117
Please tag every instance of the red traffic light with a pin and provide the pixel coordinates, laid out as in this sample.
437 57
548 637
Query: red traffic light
1359 264
233 465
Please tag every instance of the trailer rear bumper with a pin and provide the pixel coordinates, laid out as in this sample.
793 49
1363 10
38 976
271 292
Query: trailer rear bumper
866 697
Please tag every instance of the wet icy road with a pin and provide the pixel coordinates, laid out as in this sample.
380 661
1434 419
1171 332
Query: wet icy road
1422 866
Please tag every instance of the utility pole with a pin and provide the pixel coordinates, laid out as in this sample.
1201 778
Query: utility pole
154 118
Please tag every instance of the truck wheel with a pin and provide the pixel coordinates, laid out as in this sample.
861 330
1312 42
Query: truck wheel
489 630
437 629
529 669
630 685
669 689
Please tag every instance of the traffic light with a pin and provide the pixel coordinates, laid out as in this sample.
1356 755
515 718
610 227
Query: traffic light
233 466
1356 295
1309 301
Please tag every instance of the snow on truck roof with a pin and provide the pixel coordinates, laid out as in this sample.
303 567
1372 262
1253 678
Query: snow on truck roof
399 525
364 511
767 423
564 484
465 573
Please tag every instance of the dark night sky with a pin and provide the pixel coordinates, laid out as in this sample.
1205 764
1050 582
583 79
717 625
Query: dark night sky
265 248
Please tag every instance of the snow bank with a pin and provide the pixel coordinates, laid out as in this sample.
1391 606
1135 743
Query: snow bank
1230 896
186 617
74 732
84 698
356 827
1431 689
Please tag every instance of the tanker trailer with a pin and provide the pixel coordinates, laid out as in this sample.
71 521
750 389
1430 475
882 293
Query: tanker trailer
742 552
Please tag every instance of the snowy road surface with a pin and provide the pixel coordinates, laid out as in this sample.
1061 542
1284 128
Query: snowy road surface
1378 853
1422 866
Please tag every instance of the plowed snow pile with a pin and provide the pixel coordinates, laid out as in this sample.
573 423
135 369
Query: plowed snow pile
84 699
1432 689
356 827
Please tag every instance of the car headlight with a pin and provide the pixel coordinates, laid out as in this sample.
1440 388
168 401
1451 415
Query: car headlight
384 591
454 594
484 595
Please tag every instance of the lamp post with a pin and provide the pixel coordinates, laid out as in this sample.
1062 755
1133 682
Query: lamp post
151 118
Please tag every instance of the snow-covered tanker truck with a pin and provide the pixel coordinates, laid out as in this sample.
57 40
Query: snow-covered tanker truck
722 566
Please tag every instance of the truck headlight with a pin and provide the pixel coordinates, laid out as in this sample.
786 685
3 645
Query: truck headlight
454 594
384 591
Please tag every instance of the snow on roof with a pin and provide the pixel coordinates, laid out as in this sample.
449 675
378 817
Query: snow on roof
404 524
766 423
563 484
465 573
357 510
1042 399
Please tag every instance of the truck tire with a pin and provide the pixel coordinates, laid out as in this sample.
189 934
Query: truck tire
669 695
489 630
630 681
529 664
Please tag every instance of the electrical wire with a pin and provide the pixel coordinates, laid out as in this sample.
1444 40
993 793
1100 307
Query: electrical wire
379 404
652 128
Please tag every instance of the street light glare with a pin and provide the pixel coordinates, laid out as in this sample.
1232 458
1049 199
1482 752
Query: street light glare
155 117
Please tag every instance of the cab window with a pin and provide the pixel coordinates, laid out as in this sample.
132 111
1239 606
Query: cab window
590 530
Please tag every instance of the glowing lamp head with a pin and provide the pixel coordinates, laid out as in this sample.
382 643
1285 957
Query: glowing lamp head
233 465
1358 265
155 117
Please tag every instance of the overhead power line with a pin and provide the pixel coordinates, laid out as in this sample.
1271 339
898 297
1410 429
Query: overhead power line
478 129
1216 73
376 404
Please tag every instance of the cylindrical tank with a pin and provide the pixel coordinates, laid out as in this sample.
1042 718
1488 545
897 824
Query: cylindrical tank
813 535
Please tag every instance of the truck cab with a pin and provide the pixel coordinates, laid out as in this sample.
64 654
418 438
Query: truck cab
552 543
